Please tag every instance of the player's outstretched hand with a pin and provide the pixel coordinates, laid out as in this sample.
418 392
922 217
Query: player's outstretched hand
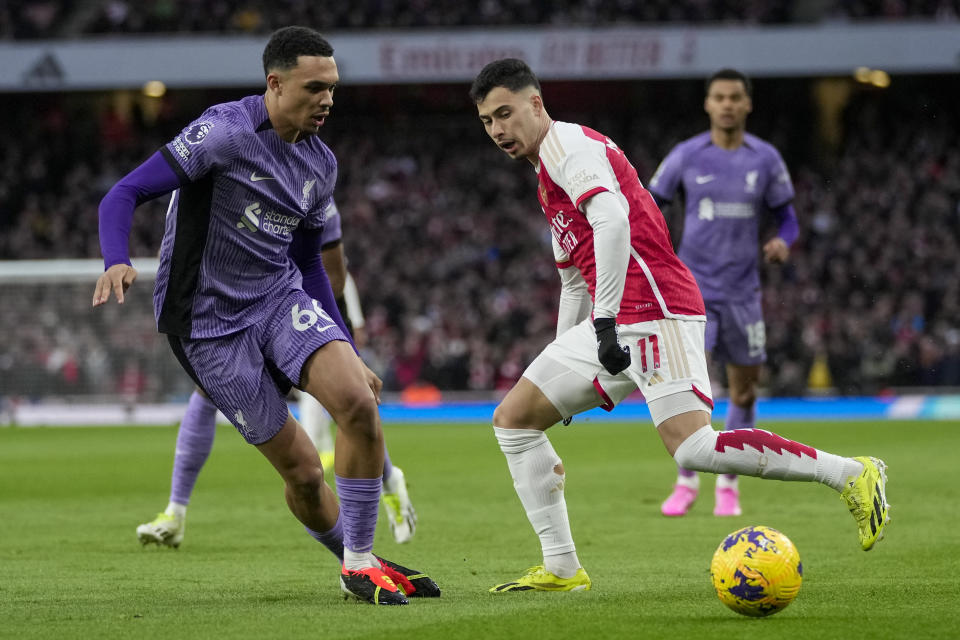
116 279
776 250
613 356
376 384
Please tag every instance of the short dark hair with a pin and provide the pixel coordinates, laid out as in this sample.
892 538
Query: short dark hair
731 74
289 43
510 73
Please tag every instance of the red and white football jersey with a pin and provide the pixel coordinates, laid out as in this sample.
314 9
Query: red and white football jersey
576 163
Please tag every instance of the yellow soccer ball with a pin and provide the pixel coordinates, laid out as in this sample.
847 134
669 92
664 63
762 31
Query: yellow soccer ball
756 571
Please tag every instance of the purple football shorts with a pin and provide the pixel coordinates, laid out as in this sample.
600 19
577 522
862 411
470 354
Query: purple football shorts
735 332
248 374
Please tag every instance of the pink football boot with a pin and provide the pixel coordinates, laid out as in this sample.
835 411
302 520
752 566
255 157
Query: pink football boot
679 501
727 502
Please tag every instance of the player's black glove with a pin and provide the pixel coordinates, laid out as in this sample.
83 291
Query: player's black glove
613 356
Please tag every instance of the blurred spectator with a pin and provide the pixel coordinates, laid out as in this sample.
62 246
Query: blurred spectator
452 257
59 18
33 19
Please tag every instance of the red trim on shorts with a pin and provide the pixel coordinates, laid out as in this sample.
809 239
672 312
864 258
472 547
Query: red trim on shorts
589 194
607 402
702 395
565 264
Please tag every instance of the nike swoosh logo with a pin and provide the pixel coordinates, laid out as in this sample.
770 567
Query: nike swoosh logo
255 178
704 179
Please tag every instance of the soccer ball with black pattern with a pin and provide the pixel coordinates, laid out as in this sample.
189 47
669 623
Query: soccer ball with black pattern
756 571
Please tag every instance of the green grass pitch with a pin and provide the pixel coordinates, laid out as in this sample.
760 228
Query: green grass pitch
71 567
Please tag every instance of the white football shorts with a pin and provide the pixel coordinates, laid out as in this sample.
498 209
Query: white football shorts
667 364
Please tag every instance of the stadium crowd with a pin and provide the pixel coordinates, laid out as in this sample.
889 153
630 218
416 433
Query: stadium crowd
68 18
454 265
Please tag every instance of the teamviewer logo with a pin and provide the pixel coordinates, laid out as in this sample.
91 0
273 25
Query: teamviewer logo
250 218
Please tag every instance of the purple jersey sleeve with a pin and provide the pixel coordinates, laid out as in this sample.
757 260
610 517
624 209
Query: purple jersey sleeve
205 144
780 187
319 218
332 233
305 252
789 229
151 179
664 183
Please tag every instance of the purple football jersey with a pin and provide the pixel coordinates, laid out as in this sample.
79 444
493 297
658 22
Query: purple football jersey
724 191
224 256
332 230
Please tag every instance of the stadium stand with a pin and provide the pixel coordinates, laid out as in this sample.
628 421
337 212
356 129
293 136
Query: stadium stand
871 292
65 18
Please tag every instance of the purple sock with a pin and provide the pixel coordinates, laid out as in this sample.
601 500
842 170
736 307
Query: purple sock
194 442
359 504
387 465
686 473
332 539
739 418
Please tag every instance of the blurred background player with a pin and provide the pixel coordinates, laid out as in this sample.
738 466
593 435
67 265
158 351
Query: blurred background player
727 178
613 251
198 426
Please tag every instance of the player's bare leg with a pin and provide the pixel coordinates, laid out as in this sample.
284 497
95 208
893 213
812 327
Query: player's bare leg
525 407
674 431
401 516
336 377
292 454
538 477
742 383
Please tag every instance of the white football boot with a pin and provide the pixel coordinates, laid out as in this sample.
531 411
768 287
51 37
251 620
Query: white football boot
400 512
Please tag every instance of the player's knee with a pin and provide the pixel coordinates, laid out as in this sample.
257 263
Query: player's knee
696 449
686 458
506 416
353 403
305 480
521 409
357 414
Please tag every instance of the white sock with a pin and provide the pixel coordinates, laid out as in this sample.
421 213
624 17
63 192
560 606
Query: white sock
690 482
564 565
533 465
759 453
356 561
176 510
316 422
727 481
